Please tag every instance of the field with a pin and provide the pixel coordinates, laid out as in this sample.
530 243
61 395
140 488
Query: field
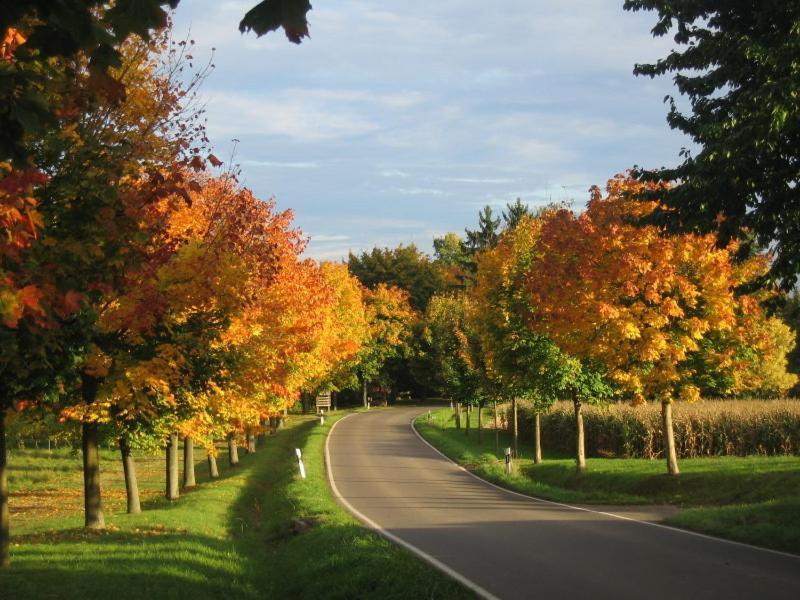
754 499
231 537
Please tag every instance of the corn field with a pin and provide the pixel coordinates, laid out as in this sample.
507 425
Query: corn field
706 428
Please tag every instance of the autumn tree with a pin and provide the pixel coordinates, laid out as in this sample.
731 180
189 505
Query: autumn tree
390 317
632 301
92 32
526 364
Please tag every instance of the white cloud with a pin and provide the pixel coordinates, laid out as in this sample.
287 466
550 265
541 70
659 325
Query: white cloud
479 180
281 164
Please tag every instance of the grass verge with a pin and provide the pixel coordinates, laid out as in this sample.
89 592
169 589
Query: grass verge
229 538
752 499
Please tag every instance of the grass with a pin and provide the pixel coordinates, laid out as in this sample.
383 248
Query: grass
229 538
753 499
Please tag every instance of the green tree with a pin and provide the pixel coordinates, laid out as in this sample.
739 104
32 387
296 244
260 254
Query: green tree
404 267
736 63
514 213
486 235
454 260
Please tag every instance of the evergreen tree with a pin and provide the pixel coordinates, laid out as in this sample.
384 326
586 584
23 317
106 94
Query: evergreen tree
514 213
487 234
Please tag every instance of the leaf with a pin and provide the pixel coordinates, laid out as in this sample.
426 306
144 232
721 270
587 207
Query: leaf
197 163
269 15
214 160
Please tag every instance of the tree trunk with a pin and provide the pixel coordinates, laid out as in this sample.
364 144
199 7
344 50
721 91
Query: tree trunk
515 434
233 451
496 427
92 499
458 415
580 446
131 485
480 425
172 491
669 438
188 462
213 471
466 429
537 439
364 391
5 518
251 443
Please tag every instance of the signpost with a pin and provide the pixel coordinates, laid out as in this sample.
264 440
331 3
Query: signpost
300 464
323 401
508 461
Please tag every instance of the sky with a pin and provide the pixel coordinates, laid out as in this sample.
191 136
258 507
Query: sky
397 121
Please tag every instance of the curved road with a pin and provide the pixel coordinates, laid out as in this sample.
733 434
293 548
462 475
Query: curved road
508 546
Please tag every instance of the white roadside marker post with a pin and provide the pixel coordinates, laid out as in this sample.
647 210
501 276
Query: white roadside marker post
508 461
300 463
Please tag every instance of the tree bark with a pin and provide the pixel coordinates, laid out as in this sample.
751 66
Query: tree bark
458 415
537 439
188 462
669 438
131 484
515 434
92 499
466 429
580 446
480 425
172 490
496 427
251 443
213 470
364 391
5 518
233 451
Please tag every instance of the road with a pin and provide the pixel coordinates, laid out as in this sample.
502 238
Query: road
508 546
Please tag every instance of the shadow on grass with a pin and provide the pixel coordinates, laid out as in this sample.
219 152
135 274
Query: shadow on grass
150 562
228 538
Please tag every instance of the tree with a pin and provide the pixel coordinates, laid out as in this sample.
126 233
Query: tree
486 235
515 213
461 372
737 66
453 259
526 364
634 303
390 318
404 267
109 167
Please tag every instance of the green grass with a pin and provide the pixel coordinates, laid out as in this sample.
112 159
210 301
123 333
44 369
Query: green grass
229 538
752 499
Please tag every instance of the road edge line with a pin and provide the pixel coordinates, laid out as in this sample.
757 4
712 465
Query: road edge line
596 512
468 583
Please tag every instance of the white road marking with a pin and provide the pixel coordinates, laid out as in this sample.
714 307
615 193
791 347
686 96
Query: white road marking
597 512
469 584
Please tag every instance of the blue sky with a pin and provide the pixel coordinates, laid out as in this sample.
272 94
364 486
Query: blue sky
398 120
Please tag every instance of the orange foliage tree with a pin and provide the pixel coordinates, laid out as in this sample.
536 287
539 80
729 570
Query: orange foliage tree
635 301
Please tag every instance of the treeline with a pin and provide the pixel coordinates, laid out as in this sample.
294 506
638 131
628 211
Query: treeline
147 296
598 308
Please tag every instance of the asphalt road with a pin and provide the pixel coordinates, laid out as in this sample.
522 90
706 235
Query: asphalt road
509 546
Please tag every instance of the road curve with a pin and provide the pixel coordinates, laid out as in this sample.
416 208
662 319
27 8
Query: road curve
510 546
